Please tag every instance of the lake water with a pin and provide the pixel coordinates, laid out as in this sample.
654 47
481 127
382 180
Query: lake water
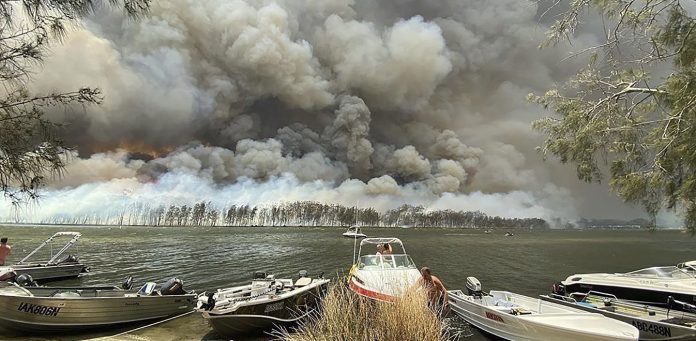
209 258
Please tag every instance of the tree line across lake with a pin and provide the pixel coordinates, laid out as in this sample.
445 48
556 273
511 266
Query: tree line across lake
301 213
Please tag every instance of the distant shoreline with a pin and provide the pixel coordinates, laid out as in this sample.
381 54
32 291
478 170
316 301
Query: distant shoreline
627 228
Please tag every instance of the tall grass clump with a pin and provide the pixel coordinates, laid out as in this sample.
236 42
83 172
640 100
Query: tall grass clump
347 316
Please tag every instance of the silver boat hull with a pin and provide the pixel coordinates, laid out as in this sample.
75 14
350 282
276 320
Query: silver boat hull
650 330
248 324
40 272
48 314
249 313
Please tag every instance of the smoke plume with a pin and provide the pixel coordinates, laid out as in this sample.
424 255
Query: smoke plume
353 102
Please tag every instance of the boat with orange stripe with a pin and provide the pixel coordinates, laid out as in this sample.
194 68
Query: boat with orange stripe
382 277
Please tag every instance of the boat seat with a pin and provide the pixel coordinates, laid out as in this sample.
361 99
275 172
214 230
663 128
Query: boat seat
147 289
65 294
503 303
303 281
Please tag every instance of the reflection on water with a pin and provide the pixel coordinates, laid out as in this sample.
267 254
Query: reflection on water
210 258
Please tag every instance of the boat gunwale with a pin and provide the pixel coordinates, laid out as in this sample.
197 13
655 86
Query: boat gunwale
537 318
646 317
251 301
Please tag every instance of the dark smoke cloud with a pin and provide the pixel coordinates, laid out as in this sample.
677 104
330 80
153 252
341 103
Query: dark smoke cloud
410 102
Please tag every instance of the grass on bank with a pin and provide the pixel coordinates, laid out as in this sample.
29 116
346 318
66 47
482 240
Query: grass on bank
347 316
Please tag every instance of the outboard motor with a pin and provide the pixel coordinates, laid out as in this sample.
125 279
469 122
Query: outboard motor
321 275
303 273
279 286
473 287
259 275
173 286
210 303
25 280
127 283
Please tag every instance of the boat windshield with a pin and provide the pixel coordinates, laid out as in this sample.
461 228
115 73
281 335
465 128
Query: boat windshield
689 267
661 272
386 262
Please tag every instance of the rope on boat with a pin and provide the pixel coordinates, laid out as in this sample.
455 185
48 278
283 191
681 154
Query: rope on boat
143 327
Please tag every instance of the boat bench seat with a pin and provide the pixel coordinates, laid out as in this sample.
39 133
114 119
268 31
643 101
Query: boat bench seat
505 304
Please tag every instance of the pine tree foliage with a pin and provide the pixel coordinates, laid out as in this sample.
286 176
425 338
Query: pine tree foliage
30 147
633 107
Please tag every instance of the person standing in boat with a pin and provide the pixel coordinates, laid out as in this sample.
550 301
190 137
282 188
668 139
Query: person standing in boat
5 250
384 249
387 249
437 294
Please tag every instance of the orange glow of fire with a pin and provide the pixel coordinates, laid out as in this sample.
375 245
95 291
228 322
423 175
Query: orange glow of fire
136 148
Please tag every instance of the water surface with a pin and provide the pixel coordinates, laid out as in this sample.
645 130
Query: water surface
209 258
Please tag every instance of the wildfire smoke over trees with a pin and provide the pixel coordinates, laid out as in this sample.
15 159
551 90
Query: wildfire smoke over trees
300 213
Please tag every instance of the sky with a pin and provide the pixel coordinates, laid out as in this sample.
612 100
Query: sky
352 102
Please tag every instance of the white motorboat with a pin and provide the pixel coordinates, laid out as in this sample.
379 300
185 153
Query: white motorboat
69 309
654 323
59 266
382 277
354 232
652 286
262 305
516 317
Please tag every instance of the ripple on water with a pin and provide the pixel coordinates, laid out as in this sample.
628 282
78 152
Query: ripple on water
210 258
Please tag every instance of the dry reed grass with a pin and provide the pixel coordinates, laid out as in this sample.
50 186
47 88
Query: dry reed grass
347 316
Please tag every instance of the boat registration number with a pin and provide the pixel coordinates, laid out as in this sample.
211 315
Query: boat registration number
37 309
494 317
274 306
652 328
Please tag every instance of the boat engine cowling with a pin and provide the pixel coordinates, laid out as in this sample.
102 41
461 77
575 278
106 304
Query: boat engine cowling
206 301
25 280
303 273
127 283
173 286
473 286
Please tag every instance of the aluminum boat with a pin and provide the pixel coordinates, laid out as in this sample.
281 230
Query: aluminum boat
516 317
263 305
68 309
651 286
382 277
654 323
60 265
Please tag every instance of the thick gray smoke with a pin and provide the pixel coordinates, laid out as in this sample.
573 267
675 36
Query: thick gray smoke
375 103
